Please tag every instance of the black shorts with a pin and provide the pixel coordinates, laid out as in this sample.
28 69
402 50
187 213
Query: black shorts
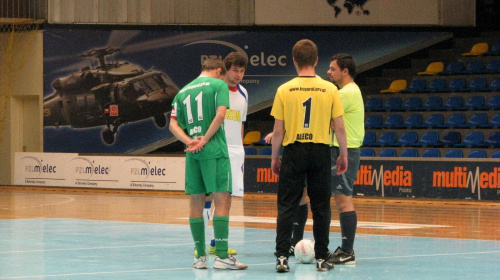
344 183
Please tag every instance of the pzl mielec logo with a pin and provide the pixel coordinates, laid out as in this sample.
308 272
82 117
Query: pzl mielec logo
35 166
255 60
145 169
87 167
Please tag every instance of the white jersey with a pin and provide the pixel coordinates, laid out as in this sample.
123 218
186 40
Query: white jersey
235 116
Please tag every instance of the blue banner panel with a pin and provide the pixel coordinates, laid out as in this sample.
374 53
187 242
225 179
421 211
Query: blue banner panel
465 179
110 91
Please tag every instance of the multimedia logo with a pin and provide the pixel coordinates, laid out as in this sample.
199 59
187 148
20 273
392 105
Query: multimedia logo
265 175
461 177
385 178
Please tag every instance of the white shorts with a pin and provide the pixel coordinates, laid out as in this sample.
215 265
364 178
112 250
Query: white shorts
237 160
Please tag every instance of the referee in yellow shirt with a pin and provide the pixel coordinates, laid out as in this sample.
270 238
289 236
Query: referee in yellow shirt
305 110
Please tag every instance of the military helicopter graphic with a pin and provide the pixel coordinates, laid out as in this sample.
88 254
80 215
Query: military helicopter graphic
110 94
114 93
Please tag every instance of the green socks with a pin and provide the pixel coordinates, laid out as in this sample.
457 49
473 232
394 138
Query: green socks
221 232
198 232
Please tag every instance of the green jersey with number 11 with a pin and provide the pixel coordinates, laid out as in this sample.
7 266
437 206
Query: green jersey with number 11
195 107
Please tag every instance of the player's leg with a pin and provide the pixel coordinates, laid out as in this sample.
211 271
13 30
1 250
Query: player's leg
299 221
196 189
217 174
342 188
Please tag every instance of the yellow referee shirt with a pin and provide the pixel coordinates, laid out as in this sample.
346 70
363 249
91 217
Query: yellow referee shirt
306 105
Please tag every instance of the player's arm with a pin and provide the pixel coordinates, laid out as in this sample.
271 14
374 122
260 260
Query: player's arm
277 139
338 125
214 126
180 134
242 132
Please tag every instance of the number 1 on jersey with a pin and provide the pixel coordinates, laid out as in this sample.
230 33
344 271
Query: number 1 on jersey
199 107
307 116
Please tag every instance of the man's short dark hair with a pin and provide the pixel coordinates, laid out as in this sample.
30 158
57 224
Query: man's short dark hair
344 61
213 64
305 53
237 59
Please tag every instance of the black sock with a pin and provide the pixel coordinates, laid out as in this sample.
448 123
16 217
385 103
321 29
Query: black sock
348 223
299 222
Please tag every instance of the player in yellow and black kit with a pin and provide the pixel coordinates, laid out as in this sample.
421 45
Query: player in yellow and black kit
305 110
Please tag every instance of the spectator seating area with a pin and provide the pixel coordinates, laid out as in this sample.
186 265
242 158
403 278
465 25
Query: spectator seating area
450 110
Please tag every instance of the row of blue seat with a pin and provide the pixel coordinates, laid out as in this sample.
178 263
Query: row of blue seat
455 85
262 152
432 139
433 103
473 67
455 153
436 120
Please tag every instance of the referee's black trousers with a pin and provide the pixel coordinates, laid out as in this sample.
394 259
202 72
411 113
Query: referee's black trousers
311 163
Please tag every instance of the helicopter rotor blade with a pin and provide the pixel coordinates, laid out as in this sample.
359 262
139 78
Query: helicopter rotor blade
176 40
120 37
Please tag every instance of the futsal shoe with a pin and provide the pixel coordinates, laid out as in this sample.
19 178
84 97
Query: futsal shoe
341 257
323 265
211 250
291 252
282 264
200 263
228 263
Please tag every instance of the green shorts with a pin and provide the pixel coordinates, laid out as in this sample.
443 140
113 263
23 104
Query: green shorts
208 176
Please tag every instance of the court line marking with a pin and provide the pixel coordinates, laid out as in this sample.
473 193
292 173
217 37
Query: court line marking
189 268
69 199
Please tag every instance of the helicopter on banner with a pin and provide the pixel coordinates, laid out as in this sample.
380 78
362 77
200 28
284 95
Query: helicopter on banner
109 94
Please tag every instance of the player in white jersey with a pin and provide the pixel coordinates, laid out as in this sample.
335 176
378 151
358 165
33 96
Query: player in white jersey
236 64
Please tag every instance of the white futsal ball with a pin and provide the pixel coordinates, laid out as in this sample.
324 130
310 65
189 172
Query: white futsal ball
304 251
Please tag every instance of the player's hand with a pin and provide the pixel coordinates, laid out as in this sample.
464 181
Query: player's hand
276 166
268 138
195 145
341 164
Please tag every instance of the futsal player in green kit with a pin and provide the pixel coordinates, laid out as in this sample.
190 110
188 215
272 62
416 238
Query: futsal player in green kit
197 117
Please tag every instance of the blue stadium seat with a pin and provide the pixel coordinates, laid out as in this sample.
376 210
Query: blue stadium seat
373 121
450 139
266 151
478 84
388 153
477 154
414 121
495 121
373 104
475 103
455 120
367 152
493 67
393 121
250 151
407 139
495 50
474 67
393 104
437 85
494 85
369 139
433 103
453 68
385 139
478 120
413 104
428 139
434 120
431 153
495 154
454 103
417 85
493 103
457 85
454 154
409 153
472 139
493 141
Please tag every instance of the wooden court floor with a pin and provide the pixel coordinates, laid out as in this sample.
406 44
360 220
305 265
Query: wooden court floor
458 219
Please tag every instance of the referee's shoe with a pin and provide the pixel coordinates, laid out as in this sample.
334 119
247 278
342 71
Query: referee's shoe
342 257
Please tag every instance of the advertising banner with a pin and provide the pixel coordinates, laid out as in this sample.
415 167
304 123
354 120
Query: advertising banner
89 171
417 178
110 91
